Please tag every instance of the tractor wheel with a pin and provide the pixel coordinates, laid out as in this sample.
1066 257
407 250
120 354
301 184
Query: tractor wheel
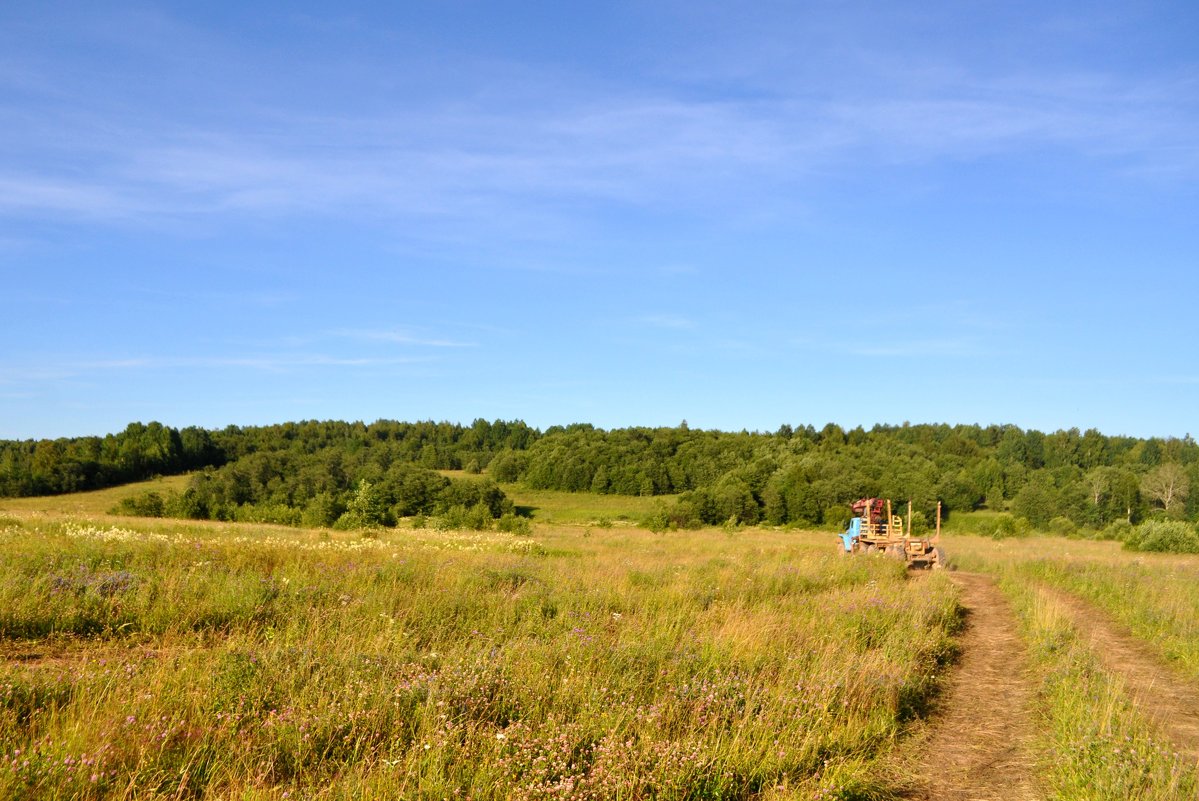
939 562
871 549
897 552
841 549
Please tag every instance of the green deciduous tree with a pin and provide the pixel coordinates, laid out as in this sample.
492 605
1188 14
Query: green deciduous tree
1036 502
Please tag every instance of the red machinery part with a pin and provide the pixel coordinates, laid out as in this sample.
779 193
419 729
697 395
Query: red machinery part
875 505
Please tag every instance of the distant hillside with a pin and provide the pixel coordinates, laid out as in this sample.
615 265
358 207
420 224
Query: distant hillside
315 470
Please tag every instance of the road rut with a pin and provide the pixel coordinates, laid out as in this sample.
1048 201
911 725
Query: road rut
1164 696
978 747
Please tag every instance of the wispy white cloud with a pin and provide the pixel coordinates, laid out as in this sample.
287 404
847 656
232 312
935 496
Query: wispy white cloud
446 161
671 321
267 298
677 269
1114 123
21 375
1181 380
399 337
48 373
921 348
950 327
38 194
857 344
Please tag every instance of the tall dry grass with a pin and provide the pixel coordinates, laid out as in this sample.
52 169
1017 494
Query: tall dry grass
200 661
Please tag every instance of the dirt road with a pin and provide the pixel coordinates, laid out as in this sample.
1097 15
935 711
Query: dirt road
978 745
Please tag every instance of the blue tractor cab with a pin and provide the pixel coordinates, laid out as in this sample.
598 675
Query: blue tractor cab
851 534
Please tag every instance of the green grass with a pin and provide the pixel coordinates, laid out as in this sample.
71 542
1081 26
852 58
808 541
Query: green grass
583 508
967 522
574 508
96 502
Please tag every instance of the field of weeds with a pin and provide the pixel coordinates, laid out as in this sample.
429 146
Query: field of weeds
188 661
175 659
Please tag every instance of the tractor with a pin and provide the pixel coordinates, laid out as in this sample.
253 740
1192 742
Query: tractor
874 530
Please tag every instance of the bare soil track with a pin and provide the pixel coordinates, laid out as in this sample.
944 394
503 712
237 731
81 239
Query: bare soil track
1168 699
68 656
76 653
978 747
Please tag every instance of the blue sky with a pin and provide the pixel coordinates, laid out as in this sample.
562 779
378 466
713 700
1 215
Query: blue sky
617 213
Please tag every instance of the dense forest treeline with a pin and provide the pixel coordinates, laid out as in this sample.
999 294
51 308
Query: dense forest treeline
54 466
321 472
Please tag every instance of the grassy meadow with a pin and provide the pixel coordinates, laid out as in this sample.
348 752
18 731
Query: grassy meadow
95 502
574 508
168 659
588 659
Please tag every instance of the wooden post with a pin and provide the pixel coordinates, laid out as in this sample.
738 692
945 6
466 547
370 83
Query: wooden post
890 533
938 520
909 519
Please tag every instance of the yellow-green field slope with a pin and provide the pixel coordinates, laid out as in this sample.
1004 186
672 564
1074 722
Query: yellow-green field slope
182 660
169 659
